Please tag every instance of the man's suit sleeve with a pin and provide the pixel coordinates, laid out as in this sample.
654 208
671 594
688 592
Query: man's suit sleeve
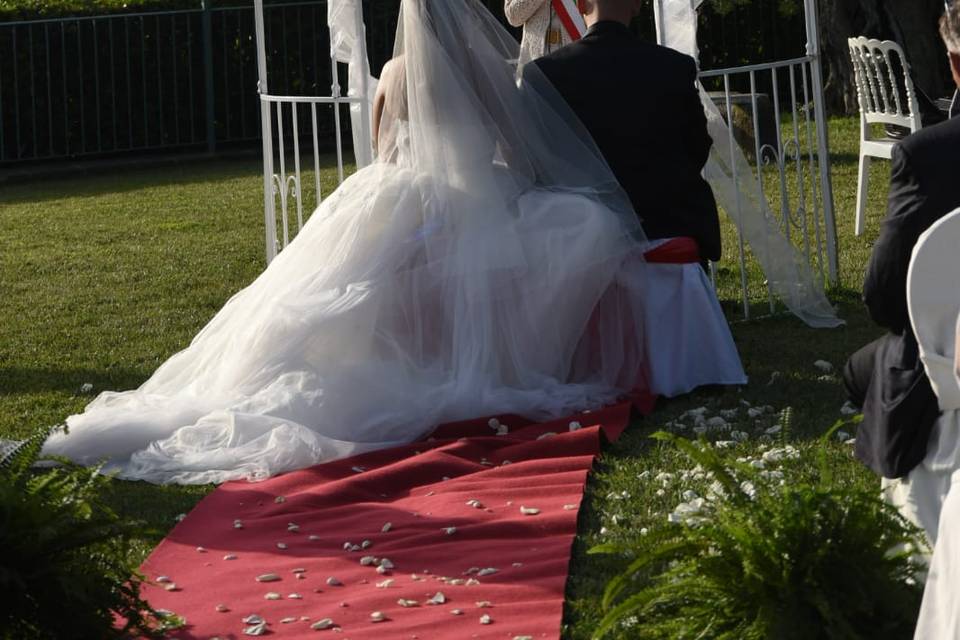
885 285
697 143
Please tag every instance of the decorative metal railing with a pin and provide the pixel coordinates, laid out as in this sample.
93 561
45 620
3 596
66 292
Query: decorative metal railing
776 122
775 113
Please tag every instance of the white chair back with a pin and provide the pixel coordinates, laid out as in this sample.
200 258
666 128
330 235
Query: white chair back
933 299
956 356
884 96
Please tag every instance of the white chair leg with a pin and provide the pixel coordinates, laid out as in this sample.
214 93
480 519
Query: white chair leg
862 183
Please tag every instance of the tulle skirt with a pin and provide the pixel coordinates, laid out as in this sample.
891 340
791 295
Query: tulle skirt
390 313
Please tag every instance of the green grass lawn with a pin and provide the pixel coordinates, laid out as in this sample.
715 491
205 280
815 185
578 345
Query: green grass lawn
102 278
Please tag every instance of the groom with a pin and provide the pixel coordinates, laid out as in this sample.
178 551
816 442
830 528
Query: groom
640 103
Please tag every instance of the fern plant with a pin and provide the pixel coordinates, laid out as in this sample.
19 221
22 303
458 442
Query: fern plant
802 559
64 571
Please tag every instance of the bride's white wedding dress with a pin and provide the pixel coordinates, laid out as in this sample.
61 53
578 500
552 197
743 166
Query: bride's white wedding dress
481 271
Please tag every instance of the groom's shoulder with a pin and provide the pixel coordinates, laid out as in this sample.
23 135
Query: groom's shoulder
633 52
671 58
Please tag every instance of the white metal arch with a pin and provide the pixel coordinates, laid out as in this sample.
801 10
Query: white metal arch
279 185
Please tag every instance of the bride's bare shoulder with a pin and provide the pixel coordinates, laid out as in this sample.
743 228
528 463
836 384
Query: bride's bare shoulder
392 70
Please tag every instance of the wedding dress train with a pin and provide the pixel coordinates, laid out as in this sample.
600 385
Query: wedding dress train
484 270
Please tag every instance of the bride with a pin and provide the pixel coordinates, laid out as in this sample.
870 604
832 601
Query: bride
487 264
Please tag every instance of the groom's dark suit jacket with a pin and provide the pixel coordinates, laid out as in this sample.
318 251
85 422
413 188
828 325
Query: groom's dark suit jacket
640 103
899 405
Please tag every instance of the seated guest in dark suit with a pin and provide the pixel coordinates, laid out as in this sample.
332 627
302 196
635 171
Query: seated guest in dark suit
640 103
886 378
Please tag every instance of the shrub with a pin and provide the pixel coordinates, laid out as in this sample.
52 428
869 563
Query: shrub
64 571
756 560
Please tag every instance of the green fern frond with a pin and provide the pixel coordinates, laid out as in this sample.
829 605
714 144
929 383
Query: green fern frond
809 558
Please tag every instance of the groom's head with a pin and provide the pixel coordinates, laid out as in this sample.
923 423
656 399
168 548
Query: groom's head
950 30
616 10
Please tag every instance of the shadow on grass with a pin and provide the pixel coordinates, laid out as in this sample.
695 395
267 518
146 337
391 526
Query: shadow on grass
22 380
134 179
844 158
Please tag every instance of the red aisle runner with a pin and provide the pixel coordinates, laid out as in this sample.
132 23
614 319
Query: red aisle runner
501 572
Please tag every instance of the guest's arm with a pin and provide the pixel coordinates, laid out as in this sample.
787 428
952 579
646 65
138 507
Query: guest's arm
519 12
885 285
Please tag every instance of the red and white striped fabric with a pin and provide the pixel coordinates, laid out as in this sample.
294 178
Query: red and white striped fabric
569 13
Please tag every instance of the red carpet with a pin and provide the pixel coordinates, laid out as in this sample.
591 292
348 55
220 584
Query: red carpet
438 541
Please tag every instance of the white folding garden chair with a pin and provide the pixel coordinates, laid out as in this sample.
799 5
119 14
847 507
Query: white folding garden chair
883 100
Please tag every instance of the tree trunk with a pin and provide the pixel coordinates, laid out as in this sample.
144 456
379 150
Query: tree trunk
911 23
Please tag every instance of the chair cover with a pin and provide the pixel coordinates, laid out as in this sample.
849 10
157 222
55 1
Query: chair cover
930 495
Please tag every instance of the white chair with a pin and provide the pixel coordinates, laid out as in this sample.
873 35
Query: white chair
883 100
933 299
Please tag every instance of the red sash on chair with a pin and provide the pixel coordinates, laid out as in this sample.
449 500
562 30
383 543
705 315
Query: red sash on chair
569 13
683 250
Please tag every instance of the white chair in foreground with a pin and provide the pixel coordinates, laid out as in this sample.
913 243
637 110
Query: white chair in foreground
933 298
881 102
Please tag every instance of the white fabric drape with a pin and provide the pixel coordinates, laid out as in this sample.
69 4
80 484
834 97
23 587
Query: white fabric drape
734 184
347 33
931 492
